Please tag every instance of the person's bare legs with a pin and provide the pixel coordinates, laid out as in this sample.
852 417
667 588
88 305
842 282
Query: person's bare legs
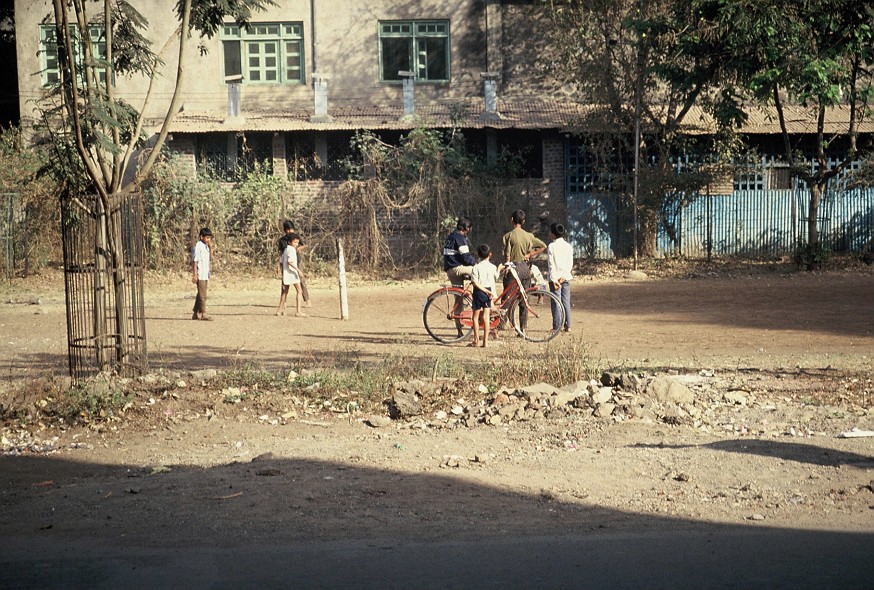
485 316
297 301
283 296
477 314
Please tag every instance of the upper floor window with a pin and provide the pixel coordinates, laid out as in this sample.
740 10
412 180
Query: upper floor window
50 68
264 53
421 47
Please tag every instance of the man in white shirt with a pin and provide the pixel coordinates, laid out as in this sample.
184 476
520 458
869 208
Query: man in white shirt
200 273
560 260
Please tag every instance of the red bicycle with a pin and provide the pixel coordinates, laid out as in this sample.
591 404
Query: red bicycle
536 315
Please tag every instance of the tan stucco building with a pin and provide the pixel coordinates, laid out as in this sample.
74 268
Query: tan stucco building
294 87
307 74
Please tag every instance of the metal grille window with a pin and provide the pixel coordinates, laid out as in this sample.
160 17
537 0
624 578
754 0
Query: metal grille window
264 53
421 47
301 158
232 157
50 68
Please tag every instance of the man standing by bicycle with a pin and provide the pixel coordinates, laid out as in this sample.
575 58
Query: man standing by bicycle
520 247
458 260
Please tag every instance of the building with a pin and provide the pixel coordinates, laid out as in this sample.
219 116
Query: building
294 87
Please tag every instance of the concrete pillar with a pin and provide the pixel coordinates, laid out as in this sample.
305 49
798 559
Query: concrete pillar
491 95
234 97
409 98
320 91
280 166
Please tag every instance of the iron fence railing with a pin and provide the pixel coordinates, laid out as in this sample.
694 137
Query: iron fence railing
103 279
762 211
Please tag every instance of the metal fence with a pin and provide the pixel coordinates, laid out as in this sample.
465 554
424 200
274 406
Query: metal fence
743 217
9 253
103 278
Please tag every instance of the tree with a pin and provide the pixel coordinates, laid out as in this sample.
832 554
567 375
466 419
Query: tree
814 53
95 134
646 64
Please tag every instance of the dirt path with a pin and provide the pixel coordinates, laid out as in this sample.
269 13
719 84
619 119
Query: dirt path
762 320
191 491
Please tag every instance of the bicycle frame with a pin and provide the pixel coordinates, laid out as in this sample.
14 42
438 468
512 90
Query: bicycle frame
504 302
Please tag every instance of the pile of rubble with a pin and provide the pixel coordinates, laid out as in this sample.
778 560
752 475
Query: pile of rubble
626 395
703 400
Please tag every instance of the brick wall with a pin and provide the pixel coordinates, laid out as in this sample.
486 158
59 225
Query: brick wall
280 166
184 146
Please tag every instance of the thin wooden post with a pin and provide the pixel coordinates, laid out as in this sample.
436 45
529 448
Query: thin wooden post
341 279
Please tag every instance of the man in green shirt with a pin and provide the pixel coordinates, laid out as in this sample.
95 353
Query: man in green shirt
520 246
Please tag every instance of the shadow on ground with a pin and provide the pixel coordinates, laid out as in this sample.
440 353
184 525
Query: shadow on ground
786 451
285 522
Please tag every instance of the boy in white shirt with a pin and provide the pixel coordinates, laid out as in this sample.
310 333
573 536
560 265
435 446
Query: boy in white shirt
483 277
560 260
200 268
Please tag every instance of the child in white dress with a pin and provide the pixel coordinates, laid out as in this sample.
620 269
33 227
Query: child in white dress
291 275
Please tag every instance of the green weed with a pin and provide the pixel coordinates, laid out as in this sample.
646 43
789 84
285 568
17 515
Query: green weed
91 401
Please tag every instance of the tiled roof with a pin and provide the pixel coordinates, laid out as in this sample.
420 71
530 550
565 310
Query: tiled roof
468 113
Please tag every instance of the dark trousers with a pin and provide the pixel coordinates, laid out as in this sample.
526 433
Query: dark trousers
200 300
524 272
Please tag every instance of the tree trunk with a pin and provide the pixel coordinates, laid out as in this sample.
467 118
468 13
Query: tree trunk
648 233
101 248
120 286
110 285
813 243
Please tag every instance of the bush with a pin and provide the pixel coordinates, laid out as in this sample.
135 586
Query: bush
30 208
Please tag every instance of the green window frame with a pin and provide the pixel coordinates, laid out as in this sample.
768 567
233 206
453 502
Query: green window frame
421 47
50 70
264 53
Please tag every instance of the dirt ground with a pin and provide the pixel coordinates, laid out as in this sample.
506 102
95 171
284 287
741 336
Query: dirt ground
184 469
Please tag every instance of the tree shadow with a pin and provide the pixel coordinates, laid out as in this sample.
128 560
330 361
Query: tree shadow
291 522
787 451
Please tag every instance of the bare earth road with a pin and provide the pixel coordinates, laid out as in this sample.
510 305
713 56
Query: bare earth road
190 492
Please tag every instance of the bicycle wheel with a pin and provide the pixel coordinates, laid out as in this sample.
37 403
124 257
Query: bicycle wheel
533 321
447 315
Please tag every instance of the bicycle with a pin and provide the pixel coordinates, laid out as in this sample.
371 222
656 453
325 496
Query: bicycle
448 315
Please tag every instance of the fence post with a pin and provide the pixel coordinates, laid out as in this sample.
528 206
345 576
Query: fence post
341 279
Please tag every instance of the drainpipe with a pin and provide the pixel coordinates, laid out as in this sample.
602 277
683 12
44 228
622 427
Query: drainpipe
313 34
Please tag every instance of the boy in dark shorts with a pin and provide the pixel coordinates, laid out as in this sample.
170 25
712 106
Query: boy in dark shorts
483 277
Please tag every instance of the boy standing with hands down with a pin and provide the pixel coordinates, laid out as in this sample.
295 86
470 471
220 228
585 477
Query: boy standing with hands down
483 277
200 255
560 258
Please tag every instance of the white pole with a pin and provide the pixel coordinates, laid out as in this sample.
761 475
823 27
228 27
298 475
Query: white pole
341 279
